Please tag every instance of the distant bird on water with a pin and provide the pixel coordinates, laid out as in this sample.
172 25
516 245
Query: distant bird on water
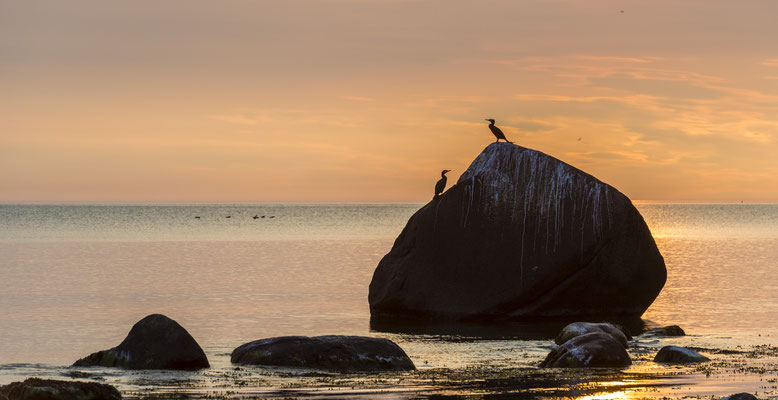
441 184
497 132
256 217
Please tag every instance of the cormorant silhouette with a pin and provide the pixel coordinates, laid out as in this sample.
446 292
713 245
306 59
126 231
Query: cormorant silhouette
497 132
441 184
256 217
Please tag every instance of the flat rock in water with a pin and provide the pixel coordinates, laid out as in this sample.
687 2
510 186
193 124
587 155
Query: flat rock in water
679 355
155 342
520 236
333 352
581 328
590 350
666 331
47 389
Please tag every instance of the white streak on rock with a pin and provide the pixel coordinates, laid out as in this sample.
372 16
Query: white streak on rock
523 182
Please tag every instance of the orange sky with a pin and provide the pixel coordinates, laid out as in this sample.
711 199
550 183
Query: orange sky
367 100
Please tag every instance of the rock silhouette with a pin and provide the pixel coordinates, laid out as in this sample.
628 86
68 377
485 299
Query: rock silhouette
155 342
591 350
521 235
332 352
740 396
581 328
48 389
665 331
679 355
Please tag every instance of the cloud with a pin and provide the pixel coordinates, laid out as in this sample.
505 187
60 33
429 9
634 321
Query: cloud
632 60
358 98
235 119
448 101
656 91
770 63
290 116
533 125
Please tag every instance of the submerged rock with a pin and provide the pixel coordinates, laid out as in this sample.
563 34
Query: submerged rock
581 328
521 235
589 350
155 342
342 353
666 331
679 355
47 389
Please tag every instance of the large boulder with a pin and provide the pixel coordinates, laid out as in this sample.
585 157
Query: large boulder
679 355
333 352
591 350
47 389
155 342
581 328
521 235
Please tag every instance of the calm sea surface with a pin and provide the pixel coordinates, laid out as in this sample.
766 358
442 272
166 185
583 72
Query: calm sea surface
74 279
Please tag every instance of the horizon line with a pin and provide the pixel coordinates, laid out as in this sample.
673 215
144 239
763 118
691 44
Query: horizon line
313 203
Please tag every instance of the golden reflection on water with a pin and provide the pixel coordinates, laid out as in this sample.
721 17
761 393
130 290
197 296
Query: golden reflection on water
606 396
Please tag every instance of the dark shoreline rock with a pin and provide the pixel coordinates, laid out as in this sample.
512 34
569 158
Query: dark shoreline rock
581 328
155 342
740 396
520 236
332 352
48 389
665 331
590 350
679 355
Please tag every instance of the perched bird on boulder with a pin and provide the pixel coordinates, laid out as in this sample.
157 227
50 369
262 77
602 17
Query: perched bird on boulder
441 185
497 132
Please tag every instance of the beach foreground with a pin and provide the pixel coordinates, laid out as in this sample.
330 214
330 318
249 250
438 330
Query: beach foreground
752 369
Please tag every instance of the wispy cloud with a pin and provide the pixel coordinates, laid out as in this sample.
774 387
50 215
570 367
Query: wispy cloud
358 98
770 63
632 60
293 116
673 99
448 101
235 119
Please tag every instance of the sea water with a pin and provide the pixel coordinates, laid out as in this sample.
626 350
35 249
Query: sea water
75 278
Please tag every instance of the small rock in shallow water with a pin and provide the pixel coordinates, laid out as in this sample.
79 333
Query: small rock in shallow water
740 396
155 342
580 328
590 350
667 331
342 353
47 389
679 355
